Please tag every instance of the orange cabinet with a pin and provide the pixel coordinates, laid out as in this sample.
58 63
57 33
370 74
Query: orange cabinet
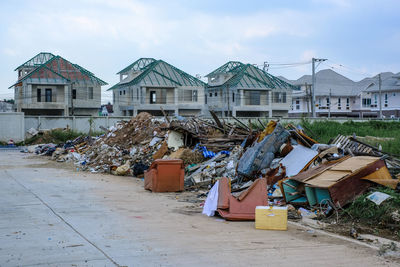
165 175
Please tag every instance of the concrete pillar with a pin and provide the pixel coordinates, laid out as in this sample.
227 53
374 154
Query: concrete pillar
134 112
19 98
66 100
175 96
142 97
270 104
28 98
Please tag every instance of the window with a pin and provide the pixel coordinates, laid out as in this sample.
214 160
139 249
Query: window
279 97
120 92
297 104
124 92
188 96
194 99
339 103
366 102
19 73
328 102
319 103
39 95
205 99
210 94
254 97
48 95
386 100
74 94
233 97
375 100
90 89
137 93
153 97
347 103
216 94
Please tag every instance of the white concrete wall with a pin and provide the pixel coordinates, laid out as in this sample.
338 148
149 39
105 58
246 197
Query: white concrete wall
15 125
12 126
80 124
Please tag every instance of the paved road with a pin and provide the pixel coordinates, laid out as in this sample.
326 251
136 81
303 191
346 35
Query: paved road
52 215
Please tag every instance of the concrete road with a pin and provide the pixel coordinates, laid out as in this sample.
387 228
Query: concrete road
52 215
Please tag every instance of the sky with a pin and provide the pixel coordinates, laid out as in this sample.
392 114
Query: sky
359 38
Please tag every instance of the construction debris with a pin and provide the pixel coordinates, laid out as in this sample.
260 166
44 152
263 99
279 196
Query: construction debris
243 167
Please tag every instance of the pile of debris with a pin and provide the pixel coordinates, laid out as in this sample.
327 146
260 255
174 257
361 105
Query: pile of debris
129 147
275 165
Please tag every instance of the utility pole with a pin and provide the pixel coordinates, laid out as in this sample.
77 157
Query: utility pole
308 98
330 102
380 96
313 83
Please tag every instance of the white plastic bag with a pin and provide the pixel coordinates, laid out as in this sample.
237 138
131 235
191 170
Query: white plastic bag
210 206
378 197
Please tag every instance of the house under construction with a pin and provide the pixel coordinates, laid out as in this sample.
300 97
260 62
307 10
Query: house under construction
151 85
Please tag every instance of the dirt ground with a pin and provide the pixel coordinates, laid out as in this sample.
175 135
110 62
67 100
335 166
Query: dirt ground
54 215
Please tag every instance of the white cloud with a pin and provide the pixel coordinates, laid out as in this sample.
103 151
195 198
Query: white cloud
148 27
338 3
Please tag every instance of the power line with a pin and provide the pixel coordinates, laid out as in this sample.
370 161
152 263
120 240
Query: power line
292 63
348 69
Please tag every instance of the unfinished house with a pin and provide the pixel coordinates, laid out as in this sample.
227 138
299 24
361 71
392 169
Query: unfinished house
149 85
243 90
51 85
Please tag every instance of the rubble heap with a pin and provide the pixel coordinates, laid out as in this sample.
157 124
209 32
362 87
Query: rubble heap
295 168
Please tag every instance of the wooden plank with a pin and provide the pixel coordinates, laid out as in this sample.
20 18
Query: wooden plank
217 121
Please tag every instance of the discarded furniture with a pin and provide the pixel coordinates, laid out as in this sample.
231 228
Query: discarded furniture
165 176
299 158
336 182
243 207
271 218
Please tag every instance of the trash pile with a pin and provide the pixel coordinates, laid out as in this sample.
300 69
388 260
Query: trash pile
129 147
242 166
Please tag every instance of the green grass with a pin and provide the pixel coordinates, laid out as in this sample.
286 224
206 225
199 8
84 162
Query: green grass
61 136
324 131
367 212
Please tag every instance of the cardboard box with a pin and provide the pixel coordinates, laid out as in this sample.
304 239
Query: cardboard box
271 218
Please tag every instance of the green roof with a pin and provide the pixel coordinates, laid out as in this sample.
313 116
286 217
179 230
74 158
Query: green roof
249 76
161 73
53 64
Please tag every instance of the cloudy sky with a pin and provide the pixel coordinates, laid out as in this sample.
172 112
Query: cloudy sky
360 38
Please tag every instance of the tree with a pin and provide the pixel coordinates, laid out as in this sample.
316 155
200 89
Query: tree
11 101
